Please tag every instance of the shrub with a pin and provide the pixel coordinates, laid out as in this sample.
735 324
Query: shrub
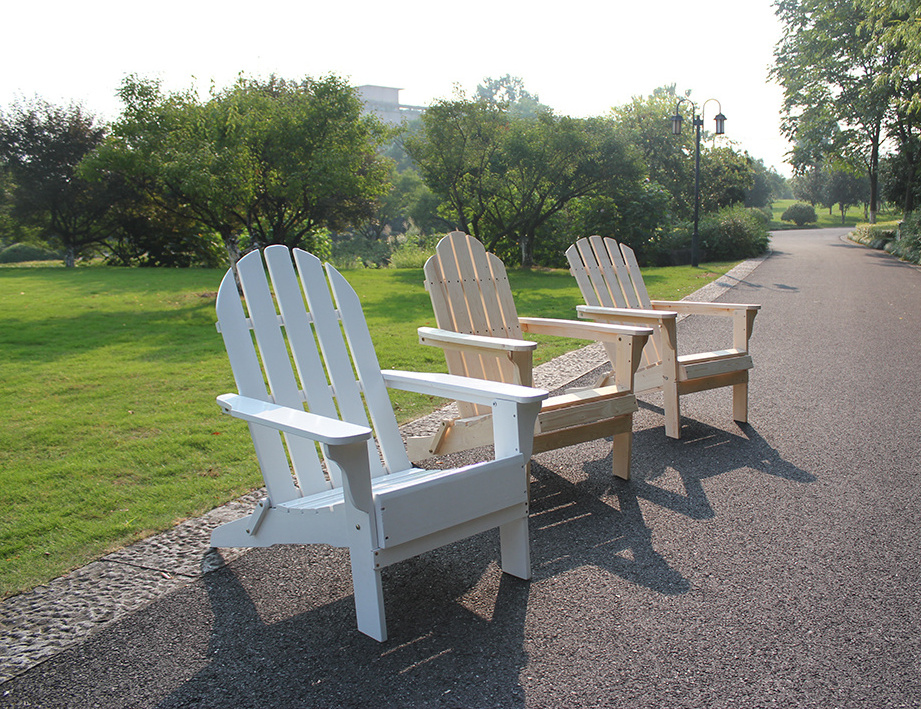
17 253
800 214
908 244
876 236
733 233
410 255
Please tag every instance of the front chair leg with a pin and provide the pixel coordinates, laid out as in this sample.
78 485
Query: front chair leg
369 594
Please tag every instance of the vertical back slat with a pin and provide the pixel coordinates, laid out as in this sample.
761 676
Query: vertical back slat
636 276
276 362
247 373
369 373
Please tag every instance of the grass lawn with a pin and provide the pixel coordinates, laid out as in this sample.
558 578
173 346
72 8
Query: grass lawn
853 217
110 429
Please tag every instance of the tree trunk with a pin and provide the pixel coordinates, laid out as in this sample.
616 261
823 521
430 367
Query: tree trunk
231 244
526 242
70 256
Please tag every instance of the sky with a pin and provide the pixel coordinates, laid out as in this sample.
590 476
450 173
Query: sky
580 57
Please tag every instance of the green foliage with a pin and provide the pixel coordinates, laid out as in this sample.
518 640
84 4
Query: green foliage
503 176
908 244
800 214
41 146
18 253
275 160
876 236
733 233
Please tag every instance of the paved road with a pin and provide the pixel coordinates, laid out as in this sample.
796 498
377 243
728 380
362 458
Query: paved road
775 564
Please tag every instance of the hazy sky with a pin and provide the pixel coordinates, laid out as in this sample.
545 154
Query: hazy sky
579 57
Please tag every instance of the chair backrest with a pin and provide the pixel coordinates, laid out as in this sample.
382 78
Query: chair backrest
607 273
294 347
471 294
609 276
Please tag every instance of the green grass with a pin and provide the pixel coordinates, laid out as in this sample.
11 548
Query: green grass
110 429
853 217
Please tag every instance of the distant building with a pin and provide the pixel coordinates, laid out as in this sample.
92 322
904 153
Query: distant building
385 102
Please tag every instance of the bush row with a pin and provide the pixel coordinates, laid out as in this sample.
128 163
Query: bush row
19 253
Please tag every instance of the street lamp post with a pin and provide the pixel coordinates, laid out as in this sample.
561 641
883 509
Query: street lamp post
698 122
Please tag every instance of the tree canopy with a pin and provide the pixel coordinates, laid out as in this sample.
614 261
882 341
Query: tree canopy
272 160
41 147
502 174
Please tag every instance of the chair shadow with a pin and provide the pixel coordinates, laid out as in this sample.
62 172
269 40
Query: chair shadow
441 649
702 452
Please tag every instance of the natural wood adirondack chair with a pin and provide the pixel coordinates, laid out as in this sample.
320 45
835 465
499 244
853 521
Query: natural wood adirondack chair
612 285
481 335
376 504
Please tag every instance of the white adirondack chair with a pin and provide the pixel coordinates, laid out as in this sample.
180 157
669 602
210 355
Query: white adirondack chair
375 503
481 335
612 285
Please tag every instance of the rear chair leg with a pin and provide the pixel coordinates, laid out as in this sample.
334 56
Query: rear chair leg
516 551
740 402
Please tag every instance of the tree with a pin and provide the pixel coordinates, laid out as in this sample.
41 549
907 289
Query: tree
41 146
833 66
274 160
668 158
725 178
503 176
845 187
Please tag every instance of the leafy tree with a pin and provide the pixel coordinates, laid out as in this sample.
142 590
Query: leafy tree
41 146
834 66
272 159
510 93
844 187
725 178
668 158
502 176
809 186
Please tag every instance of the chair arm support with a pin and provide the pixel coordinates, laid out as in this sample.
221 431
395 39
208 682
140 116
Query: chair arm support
448 339
450 386
600 332
332 432
697 308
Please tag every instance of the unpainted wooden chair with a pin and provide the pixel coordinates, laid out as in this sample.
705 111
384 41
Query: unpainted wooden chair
482 336
291 346
612 285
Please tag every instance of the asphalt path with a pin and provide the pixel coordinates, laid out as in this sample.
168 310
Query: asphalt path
770 565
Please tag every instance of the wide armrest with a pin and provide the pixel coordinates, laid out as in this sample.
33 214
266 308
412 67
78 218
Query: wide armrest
626 315
448 339
450 386
599 332
295 421
691 307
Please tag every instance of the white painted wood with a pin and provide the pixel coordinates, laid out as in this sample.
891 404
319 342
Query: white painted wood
294 338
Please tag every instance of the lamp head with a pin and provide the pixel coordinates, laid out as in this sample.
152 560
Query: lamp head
677 120
720 123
